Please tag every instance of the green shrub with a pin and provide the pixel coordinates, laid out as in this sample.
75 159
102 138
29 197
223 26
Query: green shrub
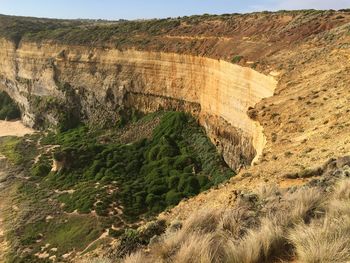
203 181
150 175
173 198
152 199
158 189
41 170
101 208
173 181
192 186
236 59
129 242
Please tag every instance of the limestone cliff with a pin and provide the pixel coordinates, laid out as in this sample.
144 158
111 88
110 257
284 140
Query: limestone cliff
219 93
93 70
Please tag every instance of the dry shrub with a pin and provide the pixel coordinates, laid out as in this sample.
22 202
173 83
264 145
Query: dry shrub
204 248
268 192
337 208
326 239
309 223
305 204
340 203
202 222
323 242
98 260
342 190
205 221
137 257
258 245
169 245
237 221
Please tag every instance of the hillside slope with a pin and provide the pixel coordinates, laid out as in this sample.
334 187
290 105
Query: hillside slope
274 86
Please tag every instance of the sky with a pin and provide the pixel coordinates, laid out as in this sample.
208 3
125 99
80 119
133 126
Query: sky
138 9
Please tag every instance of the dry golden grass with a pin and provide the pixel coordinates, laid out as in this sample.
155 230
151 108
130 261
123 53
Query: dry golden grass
136 258
98 260
326 239
307 223
237 221
258 245
306 203
204 221
198 247
342 190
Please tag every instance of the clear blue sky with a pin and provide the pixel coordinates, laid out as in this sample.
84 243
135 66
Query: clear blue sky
133 9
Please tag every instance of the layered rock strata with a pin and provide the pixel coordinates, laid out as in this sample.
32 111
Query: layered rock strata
101 81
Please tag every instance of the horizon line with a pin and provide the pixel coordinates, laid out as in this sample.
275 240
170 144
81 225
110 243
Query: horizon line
174 17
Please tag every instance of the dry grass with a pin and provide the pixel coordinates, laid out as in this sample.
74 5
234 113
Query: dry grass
136 257
98 260
326 239
342 190
307 223
204 248
236 222
258 245
199 224
306 204
204 221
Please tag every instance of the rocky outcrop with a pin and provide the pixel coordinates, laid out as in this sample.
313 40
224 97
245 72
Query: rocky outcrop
102 81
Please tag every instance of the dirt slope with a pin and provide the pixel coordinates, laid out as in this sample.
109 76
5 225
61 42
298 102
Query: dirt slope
306 121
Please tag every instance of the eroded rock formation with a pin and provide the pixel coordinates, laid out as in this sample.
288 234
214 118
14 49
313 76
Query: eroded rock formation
104 80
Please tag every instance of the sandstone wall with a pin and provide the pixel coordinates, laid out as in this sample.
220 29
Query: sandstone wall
217 92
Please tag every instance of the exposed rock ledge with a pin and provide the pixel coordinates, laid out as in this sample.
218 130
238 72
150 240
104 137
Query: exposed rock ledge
217 92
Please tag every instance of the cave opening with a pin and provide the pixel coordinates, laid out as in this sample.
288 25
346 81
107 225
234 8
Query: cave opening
9 110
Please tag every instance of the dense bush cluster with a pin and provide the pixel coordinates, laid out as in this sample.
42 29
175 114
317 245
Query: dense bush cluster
145 177
8 109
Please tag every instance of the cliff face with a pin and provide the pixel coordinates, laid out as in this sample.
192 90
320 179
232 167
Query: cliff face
96 71
106 80
307 52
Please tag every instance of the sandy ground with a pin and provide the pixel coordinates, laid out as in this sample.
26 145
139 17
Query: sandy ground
13 128
8 128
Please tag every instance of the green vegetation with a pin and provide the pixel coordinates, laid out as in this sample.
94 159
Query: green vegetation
8 109
236 59
107 184
8 148
308 223
40 221
65 111
81 31
19 151
131 239
144 177
13 28
64 233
